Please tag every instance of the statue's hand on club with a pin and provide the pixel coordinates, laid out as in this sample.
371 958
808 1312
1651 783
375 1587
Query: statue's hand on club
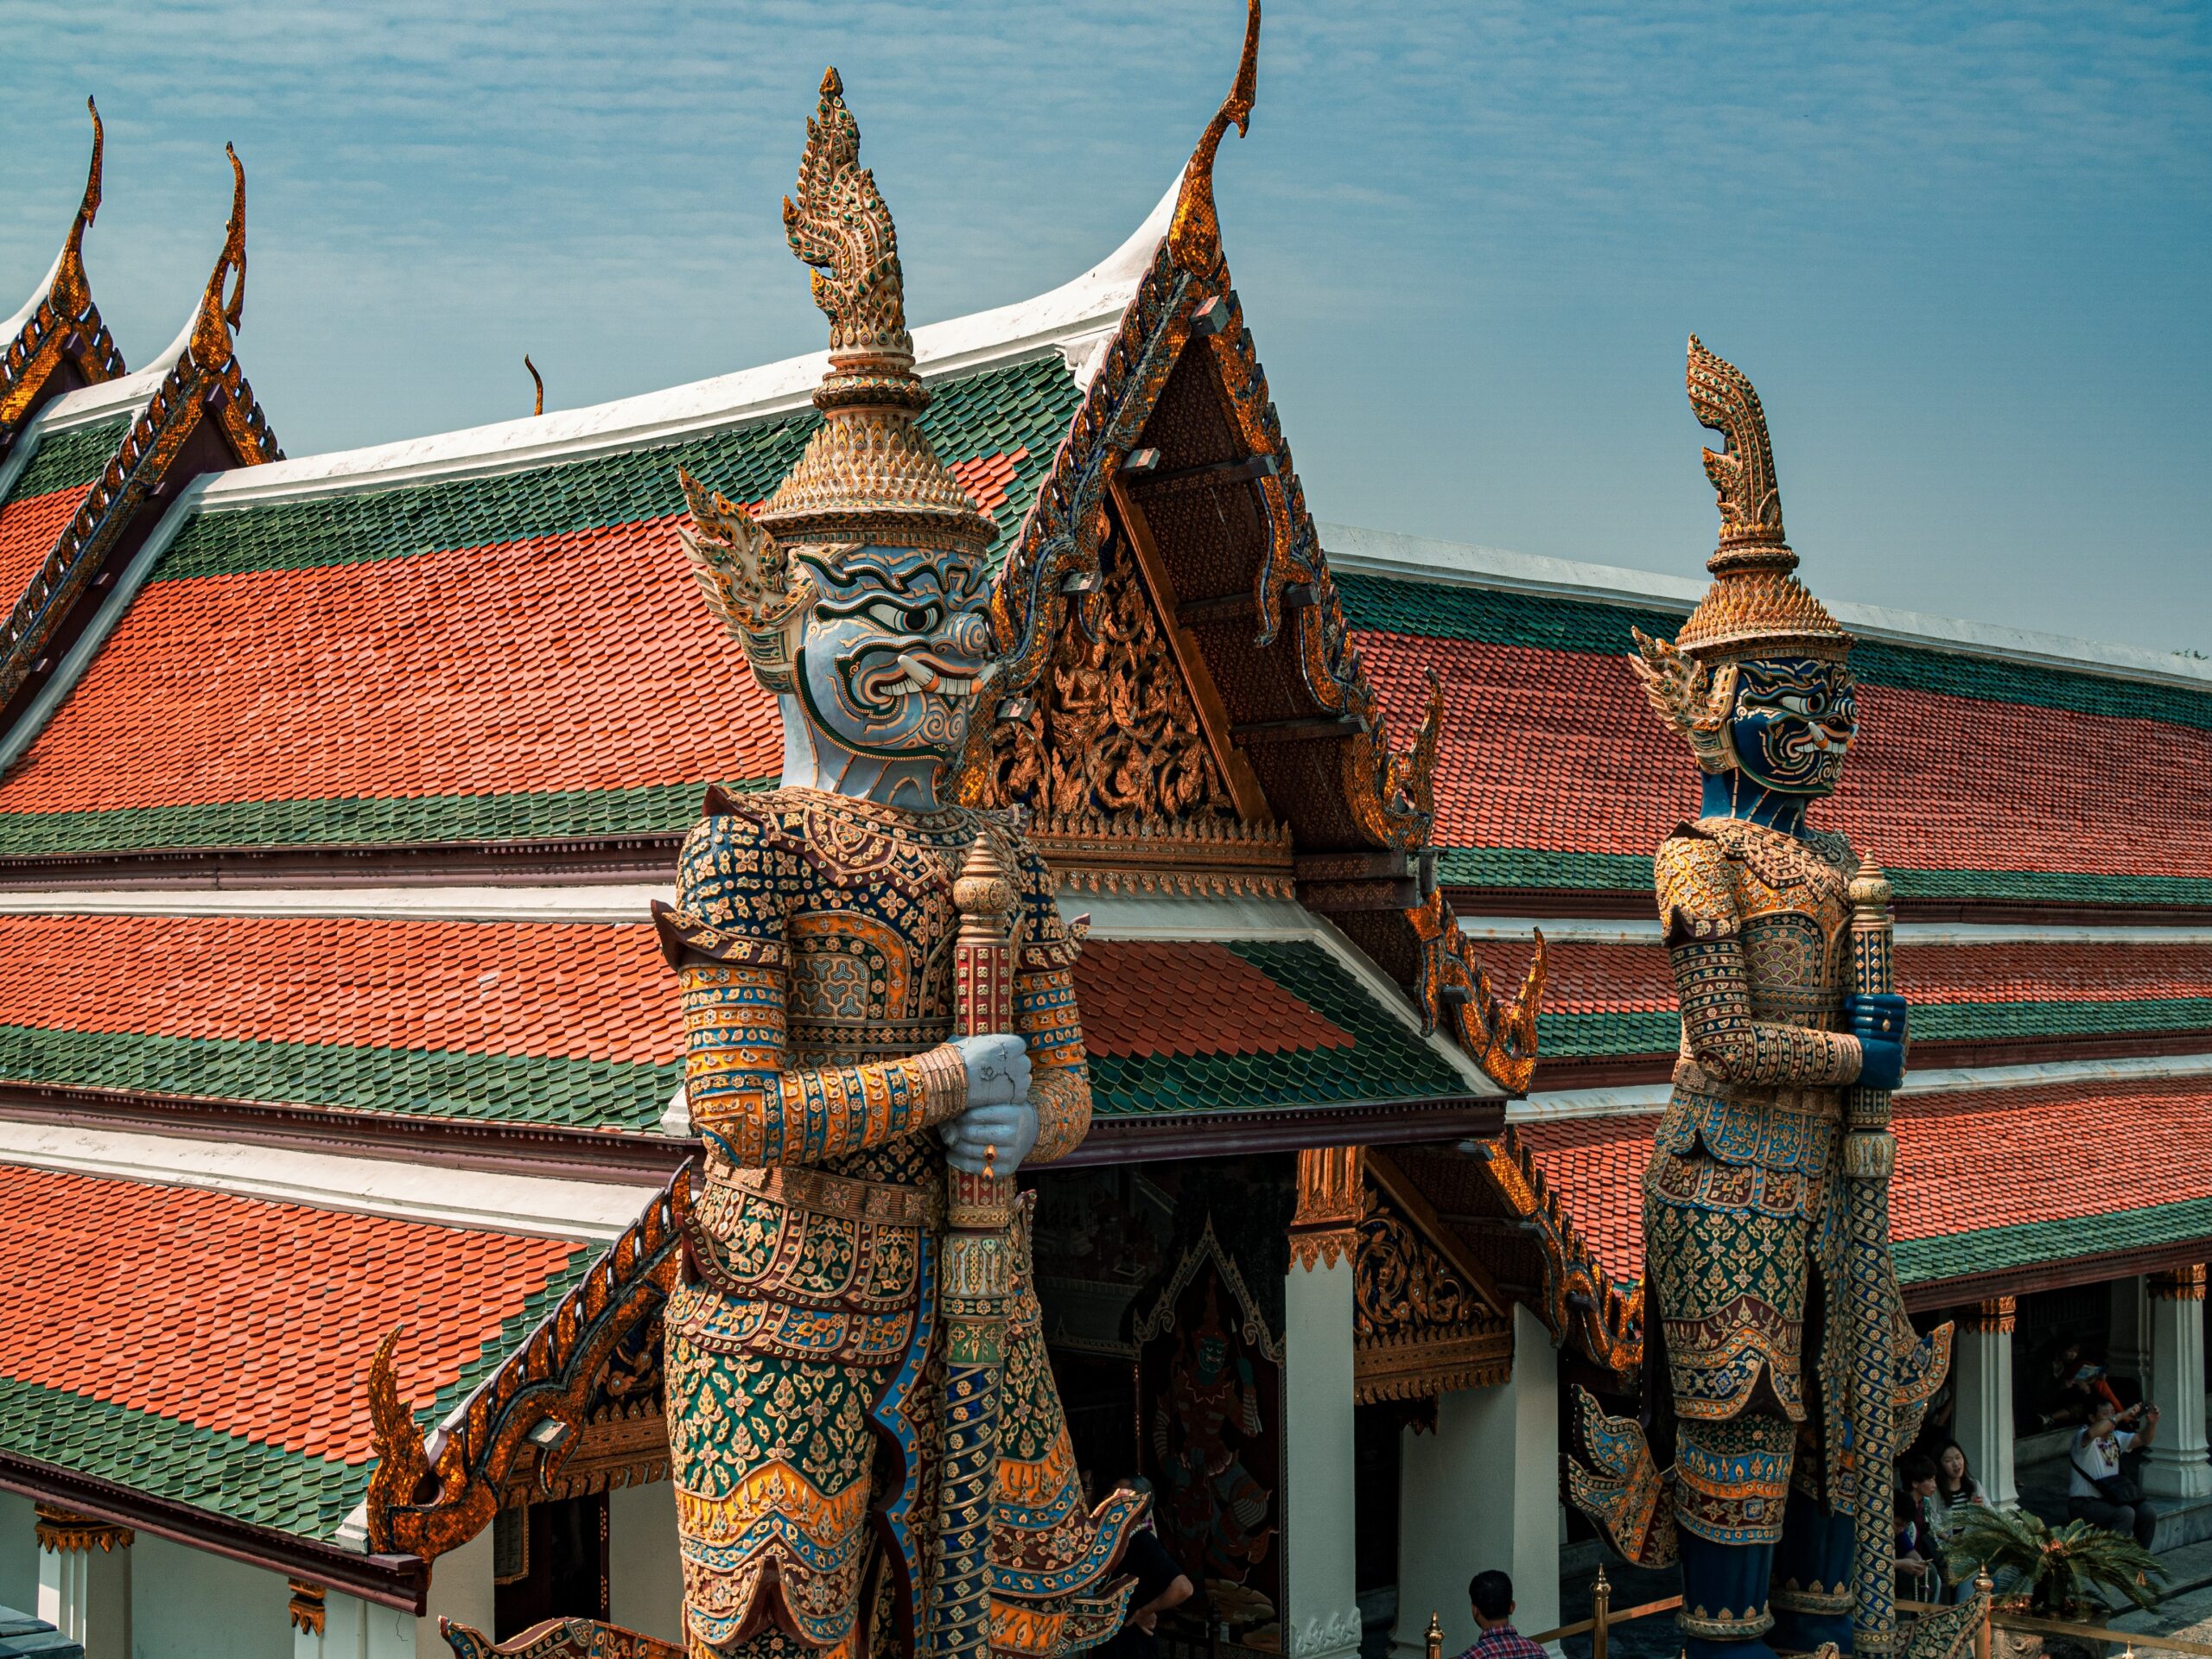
1878 1020
998 1115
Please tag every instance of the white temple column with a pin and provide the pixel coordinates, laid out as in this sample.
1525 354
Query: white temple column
1483 1492
2127 1349
1981 1374
83 1581
1320 1613
353 1629
645 1568
2175 1467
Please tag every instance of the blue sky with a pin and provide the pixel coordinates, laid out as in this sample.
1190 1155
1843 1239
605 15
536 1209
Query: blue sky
1963 250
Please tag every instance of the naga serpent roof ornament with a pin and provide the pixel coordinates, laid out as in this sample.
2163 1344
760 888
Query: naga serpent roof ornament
1757 606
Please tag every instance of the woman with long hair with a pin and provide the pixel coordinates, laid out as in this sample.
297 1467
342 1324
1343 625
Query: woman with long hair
1955 1487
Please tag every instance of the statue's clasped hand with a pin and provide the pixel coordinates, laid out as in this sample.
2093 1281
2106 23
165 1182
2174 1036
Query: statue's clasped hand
998 1115
1878 1020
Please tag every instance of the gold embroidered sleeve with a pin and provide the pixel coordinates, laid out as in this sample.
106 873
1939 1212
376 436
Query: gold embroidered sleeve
729 957
1045 1014
1730 1046
1697 908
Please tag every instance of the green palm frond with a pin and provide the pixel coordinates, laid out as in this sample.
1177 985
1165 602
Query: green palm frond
2055 1568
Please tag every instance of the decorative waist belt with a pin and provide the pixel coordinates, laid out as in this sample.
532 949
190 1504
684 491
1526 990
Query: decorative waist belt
819 1193
1811 1103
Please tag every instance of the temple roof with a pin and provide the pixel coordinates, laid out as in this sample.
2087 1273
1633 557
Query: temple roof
564 1023
1610 1012
321 1011
483 637
136 1350
1982 776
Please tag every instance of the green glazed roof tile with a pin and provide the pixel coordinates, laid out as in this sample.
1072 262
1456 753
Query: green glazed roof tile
1387 1060
70 459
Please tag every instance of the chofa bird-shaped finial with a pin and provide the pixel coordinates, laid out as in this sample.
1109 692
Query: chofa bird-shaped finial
1194 234
220 316
73 290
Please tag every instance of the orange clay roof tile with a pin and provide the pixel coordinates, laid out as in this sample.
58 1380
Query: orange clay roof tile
243 1316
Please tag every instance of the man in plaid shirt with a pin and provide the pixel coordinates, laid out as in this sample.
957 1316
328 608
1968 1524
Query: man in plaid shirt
1492 1596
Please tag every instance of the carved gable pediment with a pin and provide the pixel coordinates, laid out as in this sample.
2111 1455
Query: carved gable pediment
1126 782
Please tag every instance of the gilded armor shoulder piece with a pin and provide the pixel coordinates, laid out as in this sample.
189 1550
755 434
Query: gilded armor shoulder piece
1696 898
1778 860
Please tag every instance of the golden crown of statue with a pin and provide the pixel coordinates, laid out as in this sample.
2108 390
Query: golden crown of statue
1756 607
867 475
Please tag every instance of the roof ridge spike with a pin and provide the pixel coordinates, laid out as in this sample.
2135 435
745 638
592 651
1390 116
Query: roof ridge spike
1194 234
218 318
60 322
71 291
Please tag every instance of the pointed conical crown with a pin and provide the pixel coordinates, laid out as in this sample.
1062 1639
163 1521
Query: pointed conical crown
868 474
1756 606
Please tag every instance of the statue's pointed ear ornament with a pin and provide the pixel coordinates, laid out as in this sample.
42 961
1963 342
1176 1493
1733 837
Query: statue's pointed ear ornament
747 579
1690 697
1757 606
868 474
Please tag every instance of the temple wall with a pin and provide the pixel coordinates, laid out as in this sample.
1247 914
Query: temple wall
18 1554
187 1604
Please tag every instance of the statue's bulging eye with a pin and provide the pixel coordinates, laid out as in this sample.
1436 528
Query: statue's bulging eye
904 618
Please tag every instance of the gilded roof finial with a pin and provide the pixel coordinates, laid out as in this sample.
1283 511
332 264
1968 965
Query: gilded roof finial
220 317
539 380
1194 235
73 290
840 227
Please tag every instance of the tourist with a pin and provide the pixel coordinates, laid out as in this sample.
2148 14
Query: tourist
1161 1583
1491 1595
1955 1489
2096 1492
2074 1387
1917 1578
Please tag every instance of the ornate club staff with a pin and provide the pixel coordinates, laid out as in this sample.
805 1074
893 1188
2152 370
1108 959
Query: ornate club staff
973 1285
1870 1153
